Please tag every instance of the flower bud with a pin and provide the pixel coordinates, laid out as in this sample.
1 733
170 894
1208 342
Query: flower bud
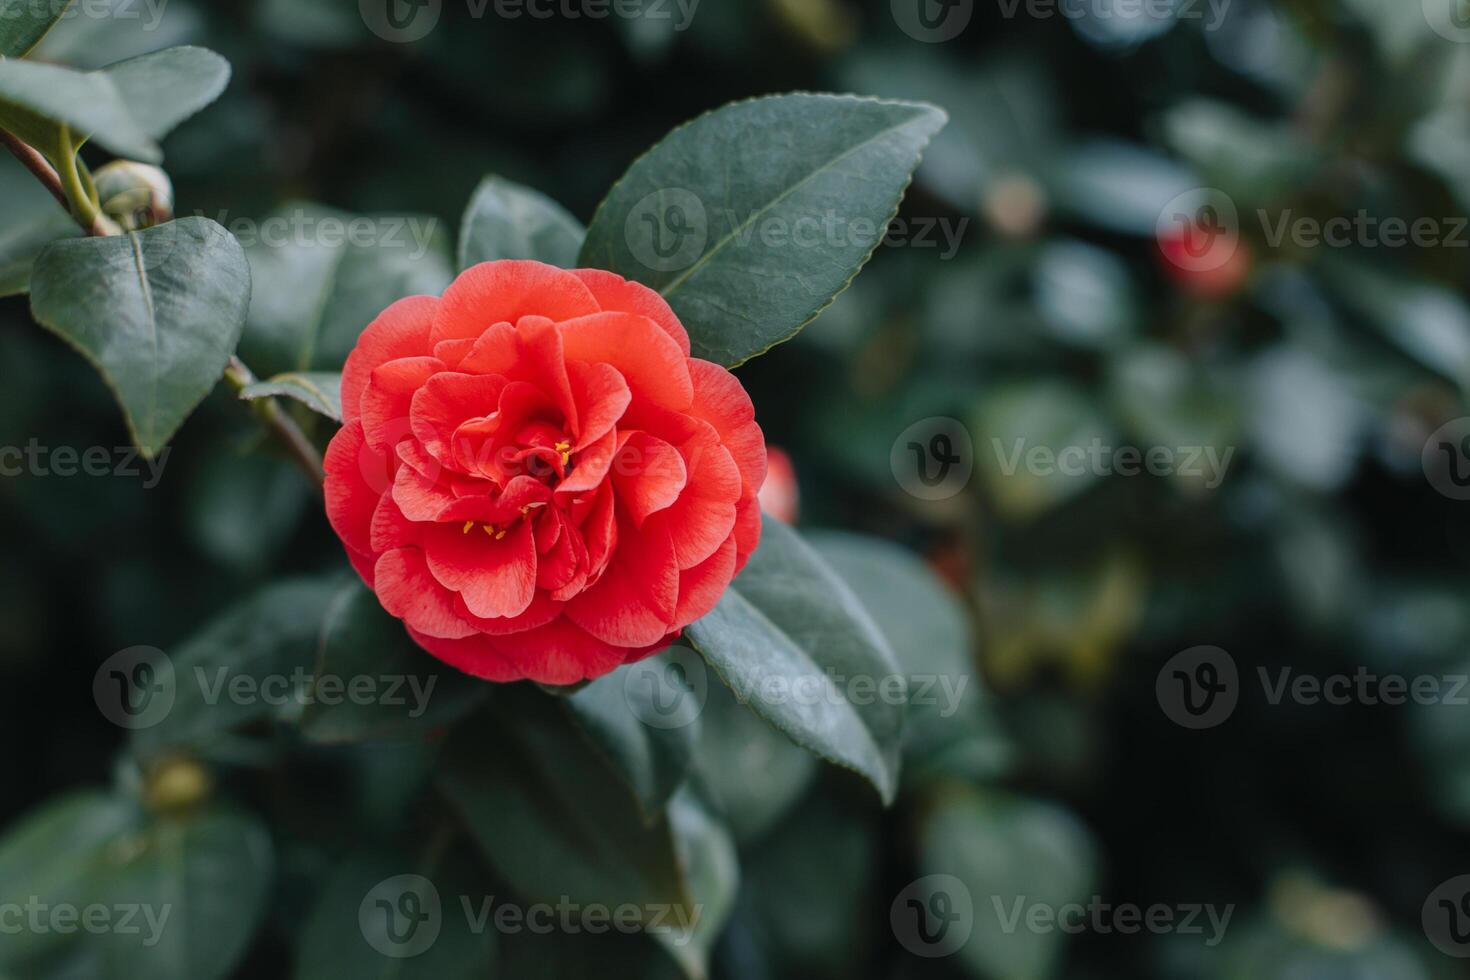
135 195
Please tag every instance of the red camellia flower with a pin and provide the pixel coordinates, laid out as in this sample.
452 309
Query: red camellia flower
535 475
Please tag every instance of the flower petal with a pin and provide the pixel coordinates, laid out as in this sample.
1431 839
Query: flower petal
408 591
616 294
647 357
492 292
402 330
494 573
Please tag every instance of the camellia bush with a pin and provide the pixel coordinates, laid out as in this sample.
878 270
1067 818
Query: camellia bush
585 646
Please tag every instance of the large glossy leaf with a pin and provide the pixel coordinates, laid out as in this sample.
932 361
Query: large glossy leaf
165 88
645 718
354 931
505 220
320 391
794 643
158 312
550 814
250 662
751 219
210 874
321 276
36 98
57 854
372 681
949 726
24 22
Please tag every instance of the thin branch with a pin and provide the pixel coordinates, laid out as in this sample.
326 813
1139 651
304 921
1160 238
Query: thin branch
34 161
302 452
38 165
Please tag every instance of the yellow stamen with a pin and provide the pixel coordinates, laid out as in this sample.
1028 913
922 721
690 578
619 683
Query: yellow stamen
467 526
499 535
490 530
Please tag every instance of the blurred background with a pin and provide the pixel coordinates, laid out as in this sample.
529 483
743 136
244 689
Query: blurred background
1232 233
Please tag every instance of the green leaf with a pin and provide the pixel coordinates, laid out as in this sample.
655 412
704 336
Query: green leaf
352 931
320 391
754 773
158 312
719 216
1007 853
794 643
506 220
411 693
219 675
24 22
36 99
712 867
210 874
163 89
57 854
929 630
551 816
318 284
645 718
